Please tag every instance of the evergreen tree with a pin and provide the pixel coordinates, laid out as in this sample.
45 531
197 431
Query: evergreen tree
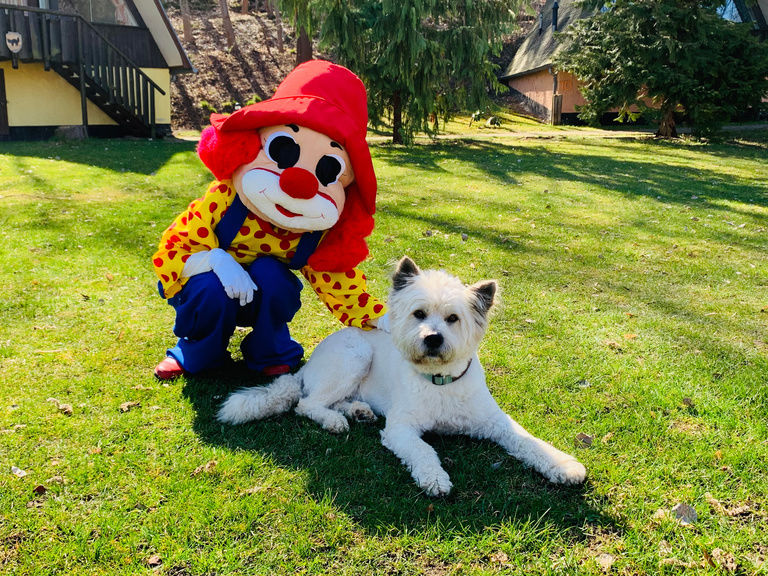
665 57
420 59
303 13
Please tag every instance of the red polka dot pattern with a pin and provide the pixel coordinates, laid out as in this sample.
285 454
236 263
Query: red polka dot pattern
344 293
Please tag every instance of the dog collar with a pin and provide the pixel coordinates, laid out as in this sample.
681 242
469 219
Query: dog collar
441 380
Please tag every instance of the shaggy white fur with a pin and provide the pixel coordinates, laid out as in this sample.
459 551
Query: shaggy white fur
436 325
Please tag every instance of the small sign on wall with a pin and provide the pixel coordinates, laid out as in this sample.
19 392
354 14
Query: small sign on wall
14 41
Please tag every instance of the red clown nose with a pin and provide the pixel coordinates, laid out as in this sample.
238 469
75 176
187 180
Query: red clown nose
298 183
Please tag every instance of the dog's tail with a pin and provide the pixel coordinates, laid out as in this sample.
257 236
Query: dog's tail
261 401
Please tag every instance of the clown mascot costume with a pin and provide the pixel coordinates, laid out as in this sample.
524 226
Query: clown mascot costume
295 190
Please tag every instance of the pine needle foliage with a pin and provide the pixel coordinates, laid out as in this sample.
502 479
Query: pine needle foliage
421 60
665 57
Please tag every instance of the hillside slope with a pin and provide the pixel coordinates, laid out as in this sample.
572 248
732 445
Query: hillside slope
254 67
226 79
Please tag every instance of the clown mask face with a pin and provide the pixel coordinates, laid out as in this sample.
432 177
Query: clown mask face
298 179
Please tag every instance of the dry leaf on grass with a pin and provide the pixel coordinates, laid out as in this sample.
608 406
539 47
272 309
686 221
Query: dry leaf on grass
725 560
63 408
605 561
18 472
684 513
39 489
583 440
207 467
154 561
126 406
499 558
720 508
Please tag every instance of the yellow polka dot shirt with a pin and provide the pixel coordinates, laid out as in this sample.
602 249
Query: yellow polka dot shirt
344 293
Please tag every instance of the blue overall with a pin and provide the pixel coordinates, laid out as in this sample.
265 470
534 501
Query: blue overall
206 317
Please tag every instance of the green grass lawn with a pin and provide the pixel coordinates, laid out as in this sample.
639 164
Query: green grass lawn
634 280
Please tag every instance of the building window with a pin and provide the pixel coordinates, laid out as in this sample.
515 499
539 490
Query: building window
100 11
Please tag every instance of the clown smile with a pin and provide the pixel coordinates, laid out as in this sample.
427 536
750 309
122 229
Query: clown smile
261 188
285 212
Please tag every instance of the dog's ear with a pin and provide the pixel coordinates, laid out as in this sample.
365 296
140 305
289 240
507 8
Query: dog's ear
484 293
405 271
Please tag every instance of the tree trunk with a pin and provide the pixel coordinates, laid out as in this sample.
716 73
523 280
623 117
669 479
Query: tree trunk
397 118
244 7
268 8
303 47
229 32
186 20
667 128
279 28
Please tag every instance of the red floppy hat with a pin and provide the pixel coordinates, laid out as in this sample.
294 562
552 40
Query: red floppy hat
324 97
329 99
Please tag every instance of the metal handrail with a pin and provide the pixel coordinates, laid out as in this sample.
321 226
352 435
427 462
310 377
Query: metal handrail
93 29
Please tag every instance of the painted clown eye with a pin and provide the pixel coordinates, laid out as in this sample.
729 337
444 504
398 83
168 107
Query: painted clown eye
329 168
282 149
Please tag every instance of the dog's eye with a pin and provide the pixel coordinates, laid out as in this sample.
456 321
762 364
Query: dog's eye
419 314
452 318
282 149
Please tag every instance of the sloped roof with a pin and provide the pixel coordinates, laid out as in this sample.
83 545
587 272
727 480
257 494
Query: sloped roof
155 18
539 47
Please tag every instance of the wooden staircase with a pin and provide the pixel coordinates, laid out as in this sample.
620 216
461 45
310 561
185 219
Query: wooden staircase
70 46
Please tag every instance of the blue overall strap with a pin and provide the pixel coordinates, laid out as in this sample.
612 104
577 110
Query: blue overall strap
305 249
231 223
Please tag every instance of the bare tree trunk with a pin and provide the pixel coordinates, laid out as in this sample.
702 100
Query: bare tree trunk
279 27
303 47
667 128
244 7
229 31
397 118
186 21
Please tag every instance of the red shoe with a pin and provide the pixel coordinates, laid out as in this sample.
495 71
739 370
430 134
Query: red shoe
276 370
168 369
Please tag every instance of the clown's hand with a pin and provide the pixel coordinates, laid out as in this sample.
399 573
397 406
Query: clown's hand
236 281
382 323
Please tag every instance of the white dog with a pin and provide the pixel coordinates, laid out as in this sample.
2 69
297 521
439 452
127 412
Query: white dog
422 375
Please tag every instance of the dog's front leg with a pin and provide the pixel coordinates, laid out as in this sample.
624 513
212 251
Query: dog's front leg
418 456
554 465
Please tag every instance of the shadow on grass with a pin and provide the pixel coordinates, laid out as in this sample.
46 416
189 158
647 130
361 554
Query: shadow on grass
367 482
135 155
658 176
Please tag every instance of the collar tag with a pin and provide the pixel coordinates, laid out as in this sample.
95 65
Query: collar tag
442 380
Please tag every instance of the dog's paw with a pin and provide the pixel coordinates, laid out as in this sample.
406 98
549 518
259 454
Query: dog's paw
361 412
435 485
568 472
334 422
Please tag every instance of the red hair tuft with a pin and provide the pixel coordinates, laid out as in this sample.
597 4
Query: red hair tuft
225 152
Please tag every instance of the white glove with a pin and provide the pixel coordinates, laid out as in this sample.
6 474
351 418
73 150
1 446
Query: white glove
382 323
236 281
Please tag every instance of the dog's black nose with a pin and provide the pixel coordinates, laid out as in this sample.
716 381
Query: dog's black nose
433 341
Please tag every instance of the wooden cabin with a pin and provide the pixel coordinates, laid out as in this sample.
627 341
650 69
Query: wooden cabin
104 65
552 95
